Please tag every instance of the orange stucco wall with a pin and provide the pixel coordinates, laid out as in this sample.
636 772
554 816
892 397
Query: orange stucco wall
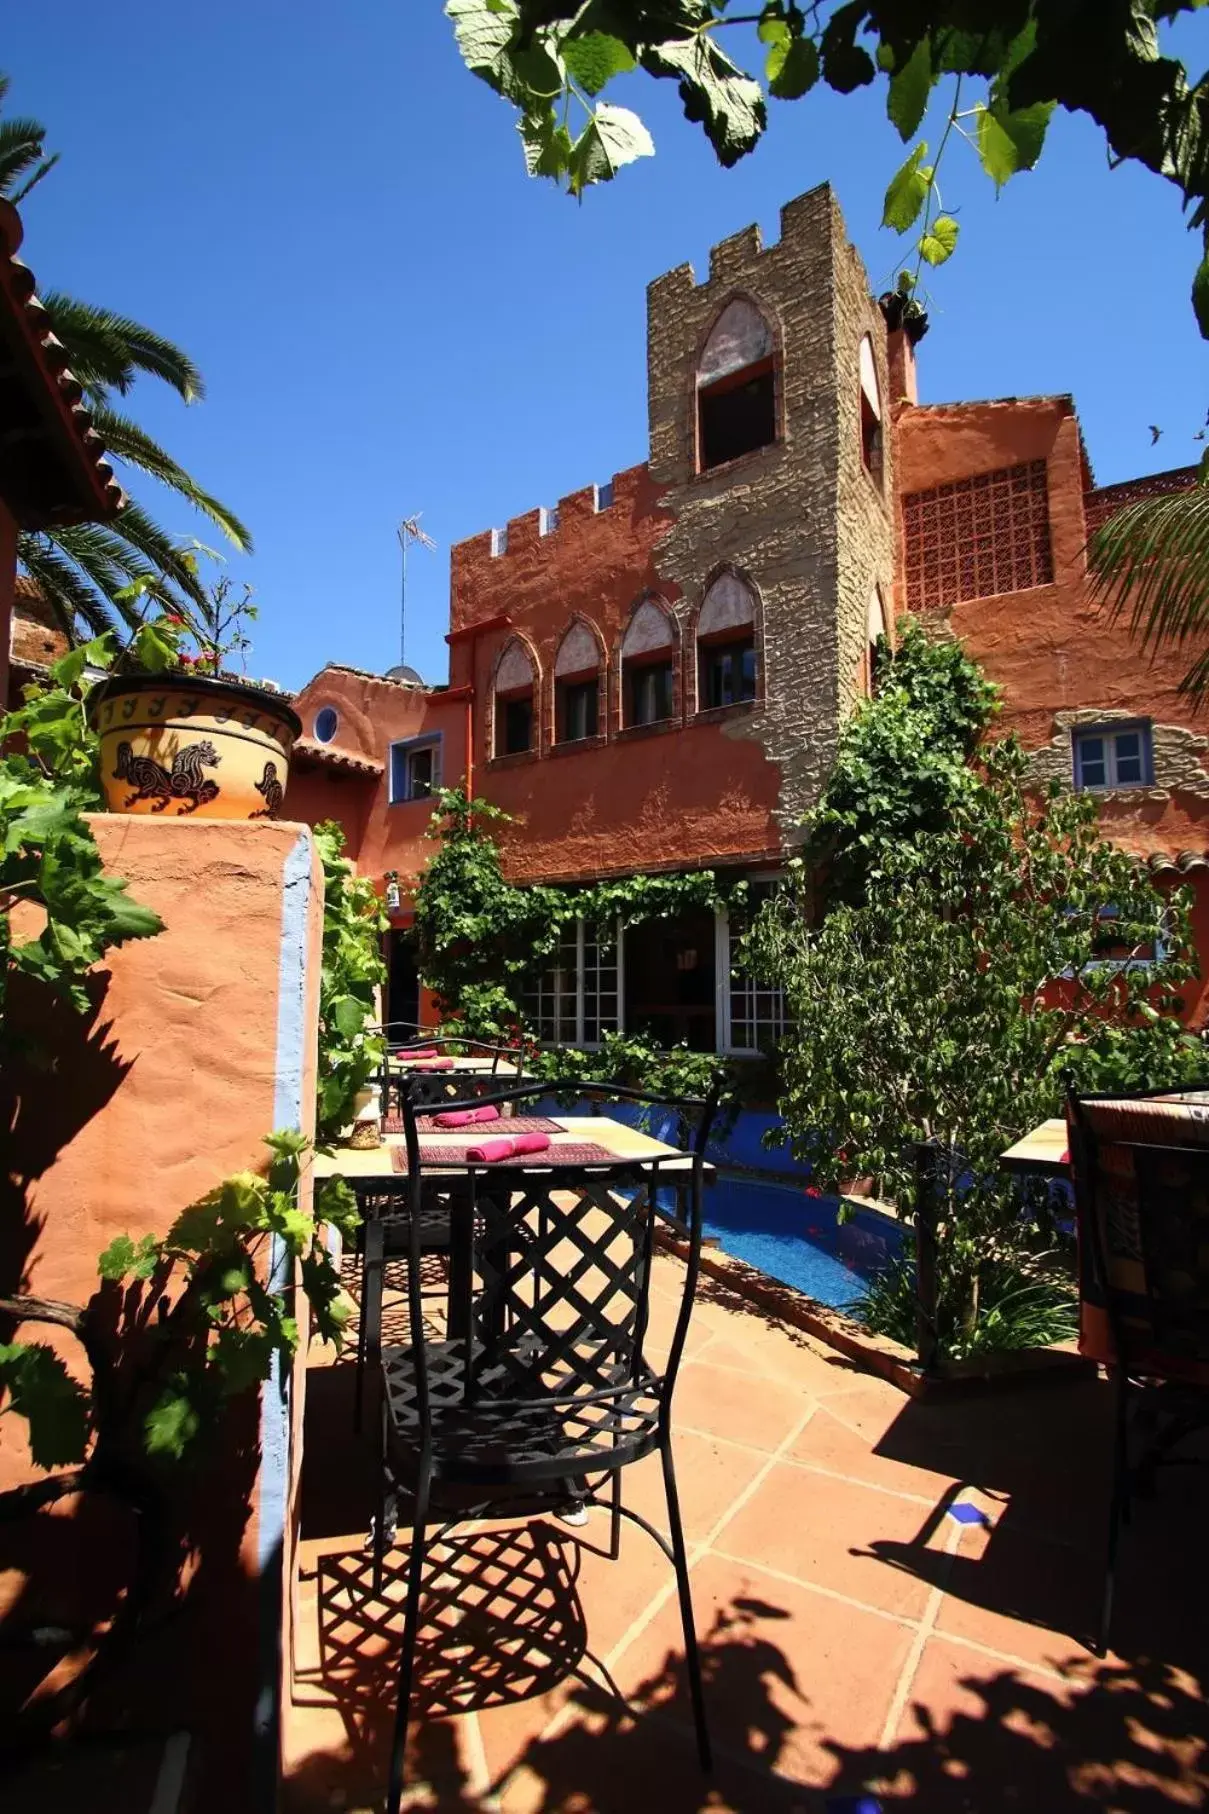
200 1040
675 795
374 713
1050 648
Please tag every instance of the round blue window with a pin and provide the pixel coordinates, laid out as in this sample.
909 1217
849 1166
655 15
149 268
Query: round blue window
326 723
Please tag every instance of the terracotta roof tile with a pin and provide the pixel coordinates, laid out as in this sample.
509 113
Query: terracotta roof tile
40 362
1181 862
310 751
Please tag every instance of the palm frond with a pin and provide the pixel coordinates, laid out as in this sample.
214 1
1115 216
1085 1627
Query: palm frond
164 556
105 557
127 441
112 349
75 603
31 182
22 146
1152 560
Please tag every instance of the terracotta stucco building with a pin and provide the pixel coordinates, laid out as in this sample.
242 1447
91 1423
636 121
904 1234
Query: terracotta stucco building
653 673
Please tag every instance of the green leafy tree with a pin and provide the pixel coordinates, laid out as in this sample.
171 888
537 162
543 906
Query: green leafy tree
983 959
85 570
483 938
903 764
353 971
1002 65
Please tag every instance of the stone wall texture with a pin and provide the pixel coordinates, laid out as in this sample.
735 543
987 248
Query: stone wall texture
801 520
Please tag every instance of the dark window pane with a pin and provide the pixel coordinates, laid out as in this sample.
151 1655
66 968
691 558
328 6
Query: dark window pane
1129 757
728 673
419 774
650 692
578 710
1092 768
871 439
514 725
735 419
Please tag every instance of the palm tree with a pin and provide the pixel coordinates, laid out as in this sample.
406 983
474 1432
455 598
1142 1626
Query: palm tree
1152 559
84 570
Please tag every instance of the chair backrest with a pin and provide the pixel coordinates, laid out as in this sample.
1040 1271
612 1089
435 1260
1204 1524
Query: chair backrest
558 1290
1141 1176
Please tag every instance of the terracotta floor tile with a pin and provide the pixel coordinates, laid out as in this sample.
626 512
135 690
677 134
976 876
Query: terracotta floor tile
1019 1594
839 1535
846 1436
979 1737
710 1475
651 1764
788 1674
716 1402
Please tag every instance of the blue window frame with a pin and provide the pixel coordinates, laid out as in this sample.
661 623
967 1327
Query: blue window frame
1113 755
415 769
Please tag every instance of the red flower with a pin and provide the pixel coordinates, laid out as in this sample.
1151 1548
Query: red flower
812 1190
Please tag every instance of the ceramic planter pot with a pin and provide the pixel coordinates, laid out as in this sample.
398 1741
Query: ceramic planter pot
188 743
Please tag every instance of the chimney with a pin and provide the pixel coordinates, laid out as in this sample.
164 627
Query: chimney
900 355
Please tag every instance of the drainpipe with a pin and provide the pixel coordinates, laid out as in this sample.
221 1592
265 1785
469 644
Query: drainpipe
471 634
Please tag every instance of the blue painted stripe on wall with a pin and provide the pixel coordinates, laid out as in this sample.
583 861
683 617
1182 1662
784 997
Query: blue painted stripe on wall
275 1457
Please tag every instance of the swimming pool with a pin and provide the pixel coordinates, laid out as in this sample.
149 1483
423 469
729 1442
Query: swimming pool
785 1232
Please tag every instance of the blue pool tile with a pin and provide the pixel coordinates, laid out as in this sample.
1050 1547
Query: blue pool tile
795 1235
964 1513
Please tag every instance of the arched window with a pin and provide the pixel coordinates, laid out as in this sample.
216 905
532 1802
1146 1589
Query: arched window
514 694
875 629
726 644
871 412
648 656
736 387
577 686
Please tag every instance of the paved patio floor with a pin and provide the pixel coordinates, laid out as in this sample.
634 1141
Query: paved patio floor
863 1647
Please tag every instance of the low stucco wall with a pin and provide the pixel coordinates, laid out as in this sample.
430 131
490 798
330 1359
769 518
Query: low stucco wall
200 1041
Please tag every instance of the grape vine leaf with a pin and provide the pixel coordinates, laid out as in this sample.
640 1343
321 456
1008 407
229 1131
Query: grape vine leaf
908 190
54 1405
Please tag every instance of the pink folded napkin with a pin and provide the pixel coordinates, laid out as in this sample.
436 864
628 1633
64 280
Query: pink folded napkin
434 1064
489 1150
466 1117
415 1052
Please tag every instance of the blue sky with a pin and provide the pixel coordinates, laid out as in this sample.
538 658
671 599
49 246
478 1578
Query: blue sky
334 219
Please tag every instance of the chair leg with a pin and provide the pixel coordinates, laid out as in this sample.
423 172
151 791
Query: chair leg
411 1627
380 1518
1118 1508
691 1655
359 1381
615 1519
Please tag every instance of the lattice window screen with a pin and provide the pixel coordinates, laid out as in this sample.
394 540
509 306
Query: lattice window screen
976 537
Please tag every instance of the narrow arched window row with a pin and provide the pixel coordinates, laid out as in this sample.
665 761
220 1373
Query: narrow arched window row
577 677
648 667
871 412
515 688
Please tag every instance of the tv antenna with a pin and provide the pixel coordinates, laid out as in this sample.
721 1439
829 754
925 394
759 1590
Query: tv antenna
408 531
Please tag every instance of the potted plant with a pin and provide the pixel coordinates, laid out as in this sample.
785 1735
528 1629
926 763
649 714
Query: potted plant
901 309
180 733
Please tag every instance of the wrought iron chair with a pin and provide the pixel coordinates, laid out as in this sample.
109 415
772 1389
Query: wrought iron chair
546 1384
384 1235
1141 1176
441 1088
